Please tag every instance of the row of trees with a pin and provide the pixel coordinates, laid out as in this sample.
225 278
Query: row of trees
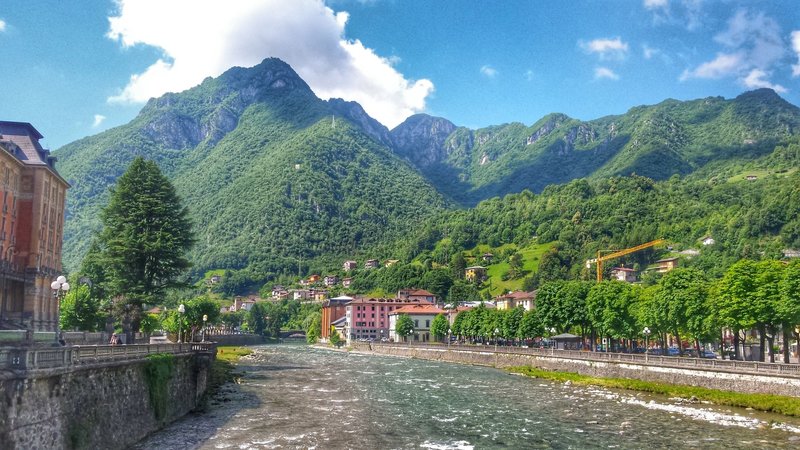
684 304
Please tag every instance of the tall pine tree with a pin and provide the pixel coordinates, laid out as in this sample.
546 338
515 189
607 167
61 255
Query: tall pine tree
146 234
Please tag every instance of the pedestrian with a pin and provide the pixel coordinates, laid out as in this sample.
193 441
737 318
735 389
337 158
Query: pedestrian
114 339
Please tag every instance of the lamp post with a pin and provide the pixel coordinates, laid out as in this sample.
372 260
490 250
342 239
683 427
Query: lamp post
205 318
646 333
381 335
60 288
553 343
449 337
181 310
496 335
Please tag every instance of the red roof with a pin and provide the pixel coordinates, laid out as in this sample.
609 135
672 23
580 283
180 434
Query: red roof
623 269
418 309
420 292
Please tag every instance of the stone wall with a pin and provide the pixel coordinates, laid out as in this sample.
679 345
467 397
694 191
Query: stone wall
104 406
714 379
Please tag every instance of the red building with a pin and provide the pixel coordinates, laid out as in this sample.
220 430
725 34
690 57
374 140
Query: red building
368 318
333 309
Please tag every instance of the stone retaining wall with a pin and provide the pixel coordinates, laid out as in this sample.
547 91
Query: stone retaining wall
758 384
102 406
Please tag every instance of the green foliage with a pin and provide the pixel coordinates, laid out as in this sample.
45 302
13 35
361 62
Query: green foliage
313 327
158 372
439 327
79 311
145 238
335 340
404 325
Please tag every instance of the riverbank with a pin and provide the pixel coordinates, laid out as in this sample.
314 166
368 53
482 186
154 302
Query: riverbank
761 393
788 406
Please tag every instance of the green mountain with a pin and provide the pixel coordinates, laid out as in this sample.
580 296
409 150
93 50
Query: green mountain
657 141
279 181
274 177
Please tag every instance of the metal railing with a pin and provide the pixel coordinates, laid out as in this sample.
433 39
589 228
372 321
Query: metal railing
47 358
749 367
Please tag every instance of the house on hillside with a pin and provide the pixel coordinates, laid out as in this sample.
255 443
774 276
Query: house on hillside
707 240
487 257
667 264
313 279
790 253
371 264
346 282
390 262
331 280
349 265
624 274
215 279
301 294
751 177
416 295
475 274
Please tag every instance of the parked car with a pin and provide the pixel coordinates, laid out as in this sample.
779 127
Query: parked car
709 354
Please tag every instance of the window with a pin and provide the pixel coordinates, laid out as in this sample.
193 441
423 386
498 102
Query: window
416 323
427 324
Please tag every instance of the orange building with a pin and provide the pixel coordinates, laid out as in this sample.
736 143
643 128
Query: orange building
332 310
31 229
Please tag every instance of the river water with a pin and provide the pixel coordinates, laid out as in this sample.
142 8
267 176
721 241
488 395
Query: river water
295 396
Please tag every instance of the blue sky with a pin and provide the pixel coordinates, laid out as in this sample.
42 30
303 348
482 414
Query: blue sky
73 72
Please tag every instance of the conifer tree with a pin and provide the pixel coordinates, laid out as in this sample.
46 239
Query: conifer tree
146 234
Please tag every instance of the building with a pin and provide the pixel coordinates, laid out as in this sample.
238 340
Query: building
790 253
368 318
346 282
331 280
517 298
707 240
31 229
416 295
625 274
349 265
313 279
475 274
215 279
301 294
422 315
390 262
487 257
333 310
371 264
665 265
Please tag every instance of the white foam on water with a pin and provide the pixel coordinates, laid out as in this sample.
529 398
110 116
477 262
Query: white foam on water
444 419
455 445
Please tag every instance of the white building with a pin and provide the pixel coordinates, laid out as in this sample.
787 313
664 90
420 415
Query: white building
422 315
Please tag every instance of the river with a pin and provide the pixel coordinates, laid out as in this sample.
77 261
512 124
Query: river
295 396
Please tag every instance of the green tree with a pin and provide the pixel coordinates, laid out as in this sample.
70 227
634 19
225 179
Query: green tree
531 326
256 319
438 282
511 323
439 327
790 307
198 307
404 325
515 266
313 327
79 311
146 234
610 306
683 298
335 339
734 303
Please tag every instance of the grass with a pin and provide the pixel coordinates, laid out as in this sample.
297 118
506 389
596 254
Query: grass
531 255
232 354
788 406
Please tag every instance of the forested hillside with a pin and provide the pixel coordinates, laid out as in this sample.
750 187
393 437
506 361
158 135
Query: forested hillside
757 218
274 177
657 141
281 183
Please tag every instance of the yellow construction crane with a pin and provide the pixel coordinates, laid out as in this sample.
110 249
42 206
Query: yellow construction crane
602 258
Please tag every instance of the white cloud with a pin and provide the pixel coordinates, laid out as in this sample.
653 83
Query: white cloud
488 71
753 47
2 25
212 36
605 73
796 48
606 48
757 79
656 4
649 52
98 119
721 66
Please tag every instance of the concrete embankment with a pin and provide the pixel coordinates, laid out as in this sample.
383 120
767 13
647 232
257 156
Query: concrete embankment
112 404
787 385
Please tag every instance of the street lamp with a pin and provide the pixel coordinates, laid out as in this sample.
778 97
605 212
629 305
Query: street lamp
496 334
646 333
553 343
449 337
205 317
181 310
381 335
60 288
